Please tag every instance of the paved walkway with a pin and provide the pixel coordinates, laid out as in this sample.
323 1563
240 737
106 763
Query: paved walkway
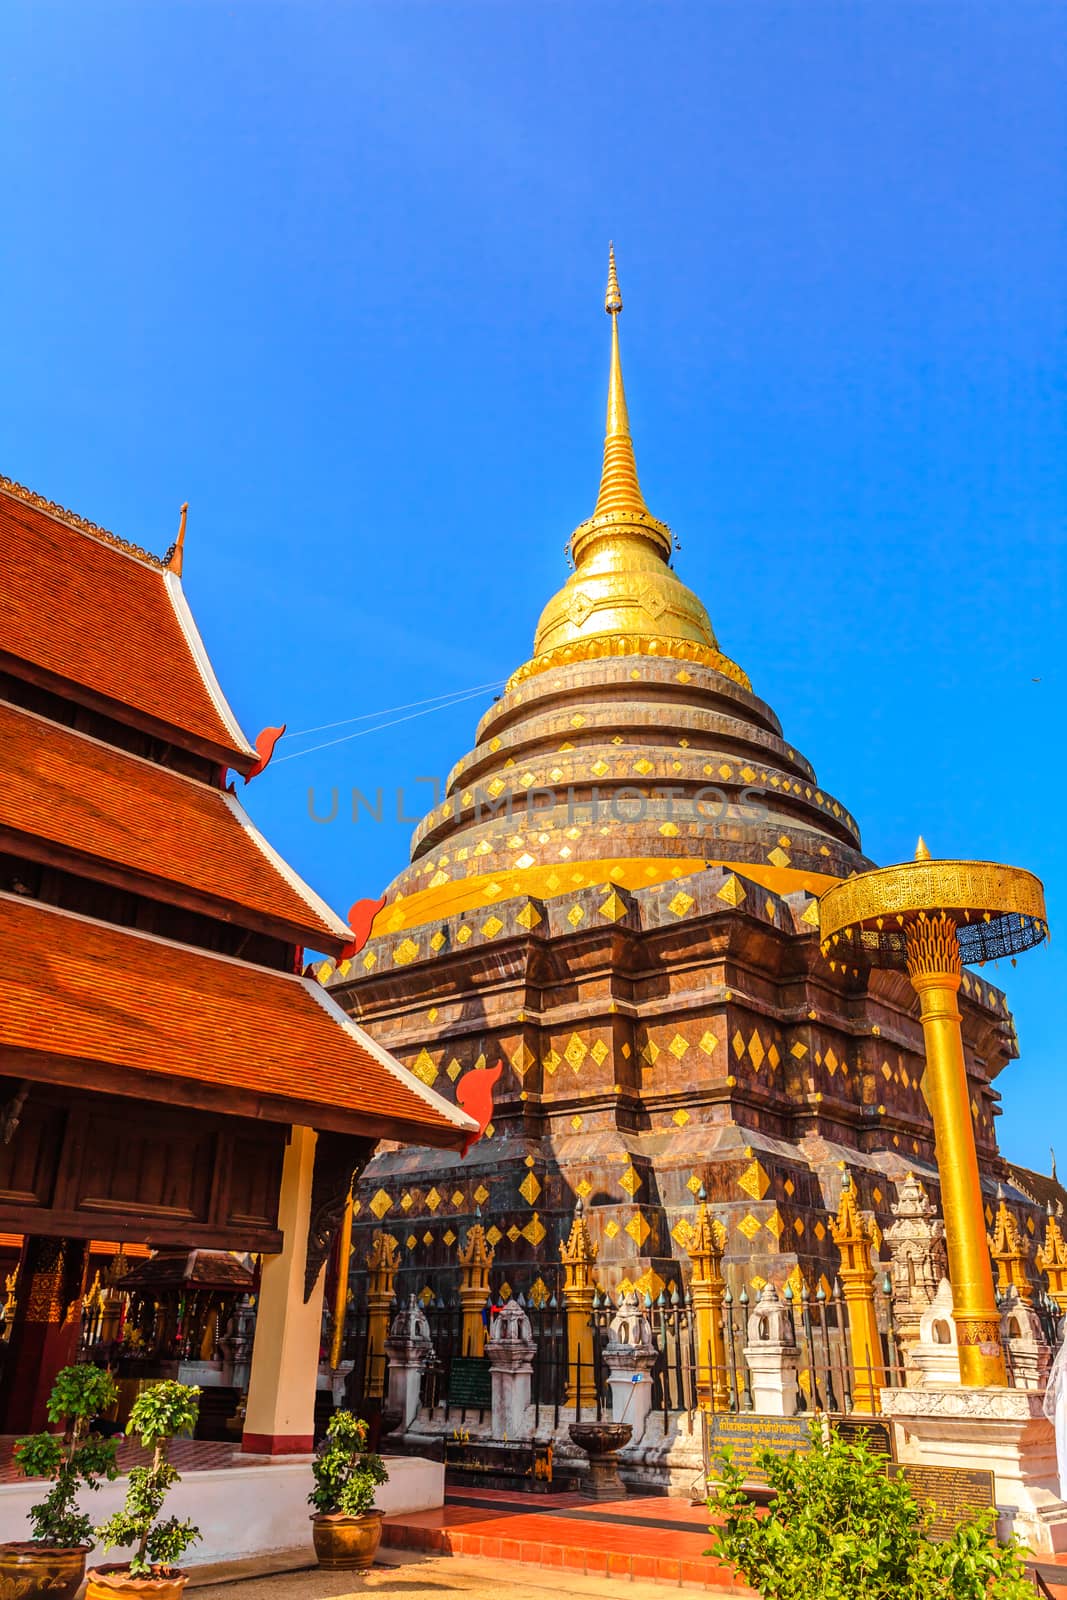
413 1577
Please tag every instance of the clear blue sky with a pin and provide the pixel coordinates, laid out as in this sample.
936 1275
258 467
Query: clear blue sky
334 274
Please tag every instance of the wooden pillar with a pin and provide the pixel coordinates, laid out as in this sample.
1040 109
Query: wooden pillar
853 1233
579 1285
47 1323
1052 1260
280 1414
382 1262
704 1246
475 1260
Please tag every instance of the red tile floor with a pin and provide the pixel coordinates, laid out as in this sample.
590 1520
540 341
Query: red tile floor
658 1539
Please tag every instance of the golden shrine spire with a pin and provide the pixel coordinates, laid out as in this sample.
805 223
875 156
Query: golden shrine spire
620 490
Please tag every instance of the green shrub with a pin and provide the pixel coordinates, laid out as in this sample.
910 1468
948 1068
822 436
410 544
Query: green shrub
159 1415
73 1460
840 1529
346 1473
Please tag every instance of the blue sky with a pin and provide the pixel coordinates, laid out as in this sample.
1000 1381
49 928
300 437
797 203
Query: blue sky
334 274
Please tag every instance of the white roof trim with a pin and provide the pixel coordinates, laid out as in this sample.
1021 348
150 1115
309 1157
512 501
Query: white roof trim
436 1102
293 879
196 646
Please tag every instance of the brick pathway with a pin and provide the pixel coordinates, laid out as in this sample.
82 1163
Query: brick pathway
653 1539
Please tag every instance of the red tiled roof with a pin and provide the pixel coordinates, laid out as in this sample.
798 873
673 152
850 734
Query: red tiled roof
85 609
97 1247
87 797
169 1022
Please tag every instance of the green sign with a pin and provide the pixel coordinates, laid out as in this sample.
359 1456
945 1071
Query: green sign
469 1386
746 1434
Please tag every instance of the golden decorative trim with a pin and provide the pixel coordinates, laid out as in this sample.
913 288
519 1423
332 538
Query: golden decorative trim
602 645
996 910
933 948
51 508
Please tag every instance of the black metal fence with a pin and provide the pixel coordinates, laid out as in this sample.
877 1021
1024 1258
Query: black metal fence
684 1377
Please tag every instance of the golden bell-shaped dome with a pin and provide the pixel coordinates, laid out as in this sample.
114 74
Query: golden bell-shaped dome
622 597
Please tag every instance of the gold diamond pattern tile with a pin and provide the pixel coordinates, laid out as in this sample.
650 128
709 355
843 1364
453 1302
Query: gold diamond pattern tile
754 1181
584 1188
678 1046
534 1231
529 917
494 1235
798 1050
380 1204
611 1228
481 1195
774 1223
530 1188
433 1200
453 1069
738 1043
638 1229
613 907
427 1239
681 1117
819 1231
681 903
693 1183
708 1042
576 915
732 891
756 1051
411 1241
514 1234
599 1052
576 1123
551 1062
458 1197
790 1187
749 1227
491 927
669 830
644 766
405 952
650 1052
423 1067
437 943
575 1052
463 933
522 1059
630 1181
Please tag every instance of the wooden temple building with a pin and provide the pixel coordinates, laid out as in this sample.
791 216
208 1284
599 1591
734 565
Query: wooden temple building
169 1075
616 901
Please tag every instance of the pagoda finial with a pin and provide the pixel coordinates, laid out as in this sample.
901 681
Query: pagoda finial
620 491
922 850
176 554
613 298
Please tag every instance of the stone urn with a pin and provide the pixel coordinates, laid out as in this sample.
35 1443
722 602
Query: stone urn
346 1544
118 1583
601 1442
29 1569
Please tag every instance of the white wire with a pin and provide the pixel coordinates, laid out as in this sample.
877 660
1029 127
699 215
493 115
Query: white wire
361 733
298 733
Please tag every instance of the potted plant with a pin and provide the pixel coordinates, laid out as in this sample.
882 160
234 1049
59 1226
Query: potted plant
159 1414
52 1561
346 1525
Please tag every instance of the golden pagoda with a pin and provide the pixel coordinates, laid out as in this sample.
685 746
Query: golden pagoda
617 899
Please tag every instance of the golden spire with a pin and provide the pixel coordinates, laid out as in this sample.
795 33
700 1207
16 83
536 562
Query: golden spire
922 850
619 489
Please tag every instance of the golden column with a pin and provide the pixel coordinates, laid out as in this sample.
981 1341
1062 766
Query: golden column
1052 1260
475 1260
1009 1254
855 1236
704 1245
579 1257
382 1262
927 917
340 1293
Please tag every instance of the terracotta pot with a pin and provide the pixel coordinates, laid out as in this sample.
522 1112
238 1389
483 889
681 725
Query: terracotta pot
117 1583
345 1544
41 1571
